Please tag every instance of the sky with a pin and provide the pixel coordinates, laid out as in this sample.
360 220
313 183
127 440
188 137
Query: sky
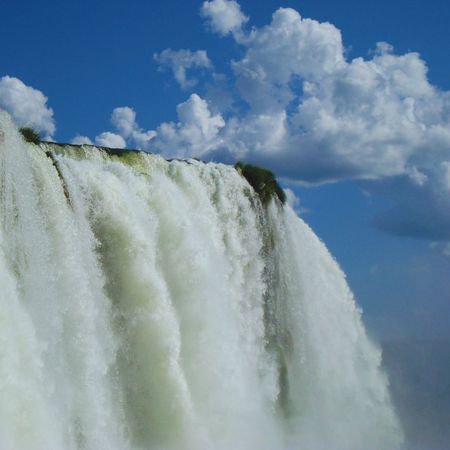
347 102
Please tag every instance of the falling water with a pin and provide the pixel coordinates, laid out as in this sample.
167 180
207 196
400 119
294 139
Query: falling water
157 305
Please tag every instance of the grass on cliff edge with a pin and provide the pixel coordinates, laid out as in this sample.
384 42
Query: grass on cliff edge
263 182
30 135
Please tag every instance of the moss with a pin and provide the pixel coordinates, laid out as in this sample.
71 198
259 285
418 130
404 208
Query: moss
30 135
263 182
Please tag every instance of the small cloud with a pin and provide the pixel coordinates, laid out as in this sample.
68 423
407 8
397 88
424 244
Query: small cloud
416 176
112 140
195 134
180 61
124 119
382 48
81 140
224 16
26 105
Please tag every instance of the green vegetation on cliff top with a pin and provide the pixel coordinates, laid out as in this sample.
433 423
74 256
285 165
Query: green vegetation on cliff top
263 182
30 135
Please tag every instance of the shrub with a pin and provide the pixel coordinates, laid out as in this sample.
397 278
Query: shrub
30 135
263 182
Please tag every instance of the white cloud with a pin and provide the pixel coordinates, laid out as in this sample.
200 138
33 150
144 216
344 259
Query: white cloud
179 61
257 136
124 119
290 47
81 140
112 140
310 114
359 119
315 116
224 16
195 134
26 105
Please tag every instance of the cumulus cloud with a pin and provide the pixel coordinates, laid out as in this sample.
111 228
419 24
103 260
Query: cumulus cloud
287 50
179 61
257 136
224 16
124 119
301 107
112 140
81 140
129 133
26 105
314 116
334 119
196 133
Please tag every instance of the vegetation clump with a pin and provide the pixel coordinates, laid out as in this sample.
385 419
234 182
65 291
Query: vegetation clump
263 182
30 135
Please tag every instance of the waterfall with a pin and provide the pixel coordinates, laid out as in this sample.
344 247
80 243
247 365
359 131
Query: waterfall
156 305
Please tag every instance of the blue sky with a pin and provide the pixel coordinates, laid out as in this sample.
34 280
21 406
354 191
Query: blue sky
276 91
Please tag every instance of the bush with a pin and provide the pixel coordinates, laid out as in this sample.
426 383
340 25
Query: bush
263 182
30 135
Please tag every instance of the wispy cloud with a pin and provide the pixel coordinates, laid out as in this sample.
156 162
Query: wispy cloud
180 61
224 16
